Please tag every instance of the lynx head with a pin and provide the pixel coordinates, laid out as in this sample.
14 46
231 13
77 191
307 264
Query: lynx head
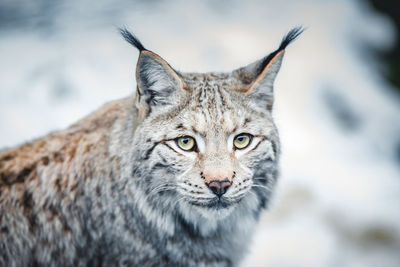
205 143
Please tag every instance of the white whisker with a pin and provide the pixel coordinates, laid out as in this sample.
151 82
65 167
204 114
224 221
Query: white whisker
176 202
248 171
160 188
253 193
183 174
262 186
261 178
240 192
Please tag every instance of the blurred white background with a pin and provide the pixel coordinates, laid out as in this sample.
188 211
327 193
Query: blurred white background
338 199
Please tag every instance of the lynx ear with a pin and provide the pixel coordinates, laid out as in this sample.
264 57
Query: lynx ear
258 78
158 84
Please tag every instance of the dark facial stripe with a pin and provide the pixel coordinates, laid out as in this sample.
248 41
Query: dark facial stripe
180 127
151 149
172 149
163 159
254 148
196 131
246 121
273 147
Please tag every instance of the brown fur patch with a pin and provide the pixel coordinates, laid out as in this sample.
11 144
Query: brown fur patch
45 160
10 176
58 157
57 183
7 157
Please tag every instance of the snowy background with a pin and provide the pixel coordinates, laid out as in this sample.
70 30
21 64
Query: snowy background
338 200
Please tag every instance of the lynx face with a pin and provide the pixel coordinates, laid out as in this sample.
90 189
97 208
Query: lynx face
209 142
208 149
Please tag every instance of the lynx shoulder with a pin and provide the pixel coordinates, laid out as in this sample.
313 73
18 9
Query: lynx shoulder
176 174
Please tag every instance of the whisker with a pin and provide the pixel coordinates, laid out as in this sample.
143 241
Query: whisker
162 189
262 186
265 181
176 201
253 193
240 192
158 189
183 174
246 169
161 186
261 178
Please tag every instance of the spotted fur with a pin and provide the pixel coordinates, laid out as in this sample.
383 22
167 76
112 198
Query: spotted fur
115 189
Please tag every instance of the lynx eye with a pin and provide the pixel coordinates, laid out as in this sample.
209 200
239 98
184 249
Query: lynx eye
242 140
186 143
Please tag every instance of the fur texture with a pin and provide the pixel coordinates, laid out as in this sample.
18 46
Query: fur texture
115 189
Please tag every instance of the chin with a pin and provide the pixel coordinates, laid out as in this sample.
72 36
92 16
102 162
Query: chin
215 209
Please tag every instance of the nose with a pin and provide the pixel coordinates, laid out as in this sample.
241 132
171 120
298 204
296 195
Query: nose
219 187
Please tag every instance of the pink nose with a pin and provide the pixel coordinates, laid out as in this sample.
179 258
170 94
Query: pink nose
219 187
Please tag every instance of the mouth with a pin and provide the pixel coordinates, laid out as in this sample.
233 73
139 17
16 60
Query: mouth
215 203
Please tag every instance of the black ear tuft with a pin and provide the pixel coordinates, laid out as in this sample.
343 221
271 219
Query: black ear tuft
258 77
286 40
291 36
132 39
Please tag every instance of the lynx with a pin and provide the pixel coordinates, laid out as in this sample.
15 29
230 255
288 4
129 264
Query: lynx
174 175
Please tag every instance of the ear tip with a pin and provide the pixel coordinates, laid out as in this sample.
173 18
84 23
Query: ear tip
132 39
292 35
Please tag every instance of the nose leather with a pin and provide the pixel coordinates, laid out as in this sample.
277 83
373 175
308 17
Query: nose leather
219 187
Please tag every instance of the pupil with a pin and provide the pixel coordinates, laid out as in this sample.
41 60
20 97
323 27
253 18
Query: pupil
186 141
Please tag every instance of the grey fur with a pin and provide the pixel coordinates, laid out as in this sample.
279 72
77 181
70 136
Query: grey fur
114 189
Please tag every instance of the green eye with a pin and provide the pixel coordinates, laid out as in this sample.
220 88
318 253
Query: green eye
186 143
242 140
